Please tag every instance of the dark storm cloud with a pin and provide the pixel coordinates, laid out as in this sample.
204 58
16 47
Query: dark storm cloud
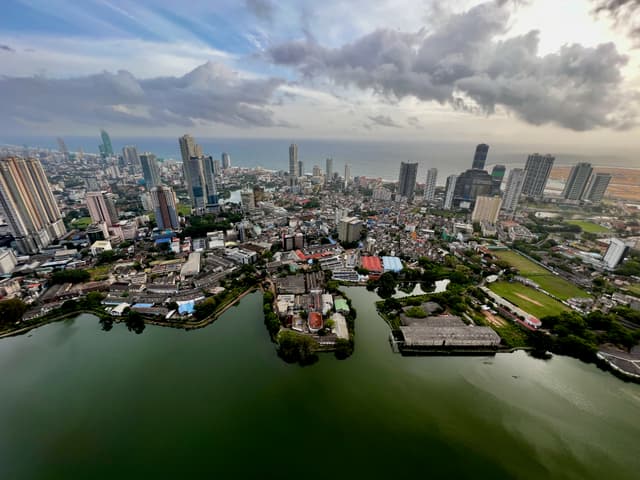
6 48
384 121
623 12
462 64
210 92
262 9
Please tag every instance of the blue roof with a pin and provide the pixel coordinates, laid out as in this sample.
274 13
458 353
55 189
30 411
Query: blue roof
186 307
392 264
143 305
163 240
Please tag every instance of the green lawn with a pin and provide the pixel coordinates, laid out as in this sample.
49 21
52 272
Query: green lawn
184 210
634 289
589 227
101 272
536 303
81 223
553 284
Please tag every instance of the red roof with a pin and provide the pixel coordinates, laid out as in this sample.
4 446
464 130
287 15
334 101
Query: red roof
373 264
315 320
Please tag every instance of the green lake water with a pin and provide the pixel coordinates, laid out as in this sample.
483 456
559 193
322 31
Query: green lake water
79 402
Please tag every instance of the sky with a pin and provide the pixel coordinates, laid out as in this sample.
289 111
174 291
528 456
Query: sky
555 73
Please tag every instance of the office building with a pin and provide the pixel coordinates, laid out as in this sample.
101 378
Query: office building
27 204
189 148
328 169
480 156
430 185
486 209
497 175
150 170
226 161
470 185
596 187
130 157
450 188
248 199
515 182
536 174
349 229
102 208
210 189
8 260
407 180
300 168
194 179
317 171
293 161
347 174
164 205
106 149
615 253
62 147
577 181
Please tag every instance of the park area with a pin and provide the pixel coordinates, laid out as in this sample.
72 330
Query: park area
529 299
589 227
548 281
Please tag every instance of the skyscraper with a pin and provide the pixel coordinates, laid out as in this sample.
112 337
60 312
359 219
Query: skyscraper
106 149
194 178
150 170
497 175
615 253
63 148
449 191
486 209
164 206
471 184
189 148
329 169
300 168
27 204
480 157
536 174
597 186
430 185
407 179
130 157
102 208
293 161
577 181
209 172
512 192
226 160
347 174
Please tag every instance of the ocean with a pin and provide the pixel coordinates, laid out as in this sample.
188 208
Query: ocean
368 158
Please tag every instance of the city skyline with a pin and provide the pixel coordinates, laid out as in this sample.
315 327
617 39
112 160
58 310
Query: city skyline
269 89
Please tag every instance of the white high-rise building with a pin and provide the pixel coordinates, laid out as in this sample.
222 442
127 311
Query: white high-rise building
515 182
226 160
486 209
347 174
328 169
27 204
597 186
449 191
293 161
430 185
615 253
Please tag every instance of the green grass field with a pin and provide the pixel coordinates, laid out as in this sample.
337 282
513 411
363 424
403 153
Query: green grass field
553 284
634 289
589 227
530 300
184 210
81 223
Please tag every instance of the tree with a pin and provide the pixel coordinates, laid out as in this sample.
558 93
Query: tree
70 276
387 285
11 311
344 348
295 347
135 322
